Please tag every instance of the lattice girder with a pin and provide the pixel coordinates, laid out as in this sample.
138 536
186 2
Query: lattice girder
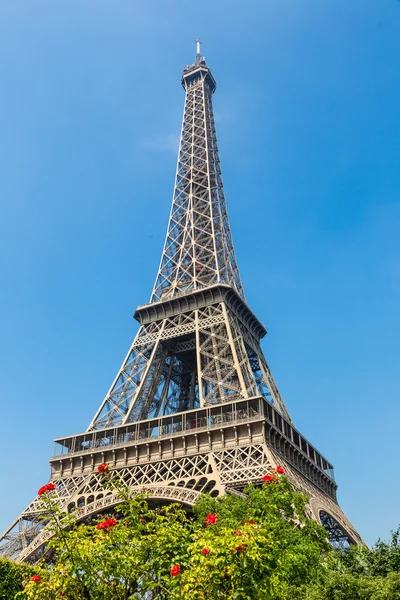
186 478
198 249
194 363
180 479
189 359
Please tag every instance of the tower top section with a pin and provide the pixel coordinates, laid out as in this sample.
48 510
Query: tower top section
198 71
198 250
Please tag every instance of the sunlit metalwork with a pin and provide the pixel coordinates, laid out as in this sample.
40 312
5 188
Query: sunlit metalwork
339 539
194 407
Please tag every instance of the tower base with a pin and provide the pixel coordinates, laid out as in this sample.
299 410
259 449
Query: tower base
177 457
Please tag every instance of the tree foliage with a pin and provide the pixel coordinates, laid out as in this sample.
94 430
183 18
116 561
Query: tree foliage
360 574
382 560
261 546
12 576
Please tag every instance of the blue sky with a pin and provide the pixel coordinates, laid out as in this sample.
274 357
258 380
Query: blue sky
307 109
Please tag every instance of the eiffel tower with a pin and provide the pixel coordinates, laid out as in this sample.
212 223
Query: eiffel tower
194 407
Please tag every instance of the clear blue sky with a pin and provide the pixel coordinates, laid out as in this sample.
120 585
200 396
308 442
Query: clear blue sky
307 108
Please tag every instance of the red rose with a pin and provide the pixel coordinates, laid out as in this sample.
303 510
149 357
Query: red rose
106 524
251 522
36 578
211 519
205 551
238 532
238 548
267 478
49 487
111 522
103 468
280 470
175 570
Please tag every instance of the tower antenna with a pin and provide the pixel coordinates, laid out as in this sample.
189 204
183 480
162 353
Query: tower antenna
198 50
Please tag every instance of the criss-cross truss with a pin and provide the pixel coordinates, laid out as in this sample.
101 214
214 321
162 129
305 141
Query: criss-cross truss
194 358
194 407
199 343
198 249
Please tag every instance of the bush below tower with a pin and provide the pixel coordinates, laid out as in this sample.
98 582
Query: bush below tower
230 548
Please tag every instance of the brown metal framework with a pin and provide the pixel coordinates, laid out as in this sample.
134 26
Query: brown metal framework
194 407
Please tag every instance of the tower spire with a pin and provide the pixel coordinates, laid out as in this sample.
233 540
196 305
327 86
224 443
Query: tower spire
198 51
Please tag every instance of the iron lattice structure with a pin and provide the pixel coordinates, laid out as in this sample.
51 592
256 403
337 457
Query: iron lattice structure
194 407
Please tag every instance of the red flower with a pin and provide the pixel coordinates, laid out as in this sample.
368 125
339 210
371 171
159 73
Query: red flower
280 470
103 468
251 522
49 487
238 548
205 551
106 524
211 519
238 532
36 578
175 570
267 478
142 521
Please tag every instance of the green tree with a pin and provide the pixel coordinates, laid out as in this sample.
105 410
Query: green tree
359 574
262 546
347 586
259 546
11 577
384 557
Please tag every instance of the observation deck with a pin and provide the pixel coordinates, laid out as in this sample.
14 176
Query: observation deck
200 298
197 431
196 71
